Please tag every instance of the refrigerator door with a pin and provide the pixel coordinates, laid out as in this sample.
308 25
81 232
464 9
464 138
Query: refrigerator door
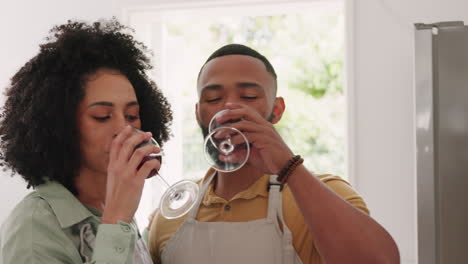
424 122
442 161
451 119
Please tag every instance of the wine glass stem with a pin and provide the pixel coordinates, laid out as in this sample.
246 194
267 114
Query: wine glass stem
164 181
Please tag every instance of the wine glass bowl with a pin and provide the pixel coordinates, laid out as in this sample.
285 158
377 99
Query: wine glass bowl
157 156
215 124
178 198
226 148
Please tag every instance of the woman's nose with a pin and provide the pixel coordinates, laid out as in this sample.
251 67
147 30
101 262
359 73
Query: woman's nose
119 124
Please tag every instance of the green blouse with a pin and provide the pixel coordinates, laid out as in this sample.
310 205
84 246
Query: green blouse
51 226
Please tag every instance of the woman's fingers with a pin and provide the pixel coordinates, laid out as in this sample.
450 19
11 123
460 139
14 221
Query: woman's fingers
146 170
118 141
125 176
141 154
128 146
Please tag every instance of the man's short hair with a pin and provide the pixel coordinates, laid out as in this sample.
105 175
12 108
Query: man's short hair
239 49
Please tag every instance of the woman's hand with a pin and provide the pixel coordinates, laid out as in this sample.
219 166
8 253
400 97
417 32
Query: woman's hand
125 180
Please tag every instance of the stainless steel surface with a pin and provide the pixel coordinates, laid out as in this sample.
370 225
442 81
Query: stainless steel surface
422 26
451 139
441 92
425 147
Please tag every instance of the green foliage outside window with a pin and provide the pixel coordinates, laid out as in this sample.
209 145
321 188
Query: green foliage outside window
307 53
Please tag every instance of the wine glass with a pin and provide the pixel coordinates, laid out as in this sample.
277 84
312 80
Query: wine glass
226 148
178 198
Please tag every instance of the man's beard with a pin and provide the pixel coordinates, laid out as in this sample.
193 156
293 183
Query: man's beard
204 130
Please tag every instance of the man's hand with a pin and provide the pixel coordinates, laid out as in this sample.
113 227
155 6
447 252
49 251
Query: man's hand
268 153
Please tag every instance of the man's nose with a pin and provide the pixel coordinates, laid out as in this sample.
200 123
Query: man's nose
234 98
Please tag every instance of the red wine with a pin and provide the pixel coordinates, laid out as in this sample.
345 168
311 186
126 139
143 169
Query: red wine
149 157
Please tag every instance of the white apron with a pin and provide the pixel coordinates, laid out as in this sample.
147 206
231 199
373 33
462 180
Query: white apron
257 242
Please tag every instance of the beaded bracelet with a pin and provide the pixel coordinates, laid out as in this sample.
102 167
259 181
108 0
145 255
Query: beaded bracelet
283 175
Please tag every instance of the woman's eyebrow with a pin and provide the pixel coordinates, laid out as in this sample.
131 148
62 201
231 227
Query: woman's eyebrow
104 103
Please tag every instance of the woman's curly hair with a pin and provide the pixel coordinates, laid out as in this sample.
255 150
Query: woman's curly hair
38 126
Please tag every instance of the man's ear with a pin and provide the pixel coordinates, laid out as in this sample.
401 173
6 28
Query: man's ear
197 113
278 110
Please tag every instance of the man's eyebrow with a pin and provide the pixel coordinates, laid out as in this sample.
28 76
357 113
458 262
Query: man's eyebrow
248 85
212 87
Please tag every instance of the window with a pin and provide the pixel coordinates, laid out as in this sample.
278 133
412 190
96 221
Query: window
303 40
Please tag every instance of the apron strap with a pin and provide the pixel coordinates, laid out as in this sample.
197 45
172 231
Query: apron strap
193 212
275 214
275 202
274 198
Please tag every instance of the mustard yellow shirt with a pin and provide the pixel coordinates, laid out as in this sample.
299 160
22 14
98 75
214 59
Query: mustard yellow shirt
251 204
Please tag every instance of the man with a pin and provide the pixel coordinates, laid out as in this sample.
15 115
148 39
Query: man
252 215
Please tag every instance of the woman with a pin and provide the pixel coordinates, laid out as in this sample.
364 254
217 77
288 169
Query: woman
68 128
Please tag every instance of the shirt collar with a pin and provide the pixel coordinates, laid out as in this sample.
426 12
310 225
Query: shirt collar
66 207
258 188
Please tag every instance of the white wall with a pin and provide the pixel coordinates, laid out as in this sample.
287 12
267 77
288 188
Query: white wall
385 144
23 26
383 73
